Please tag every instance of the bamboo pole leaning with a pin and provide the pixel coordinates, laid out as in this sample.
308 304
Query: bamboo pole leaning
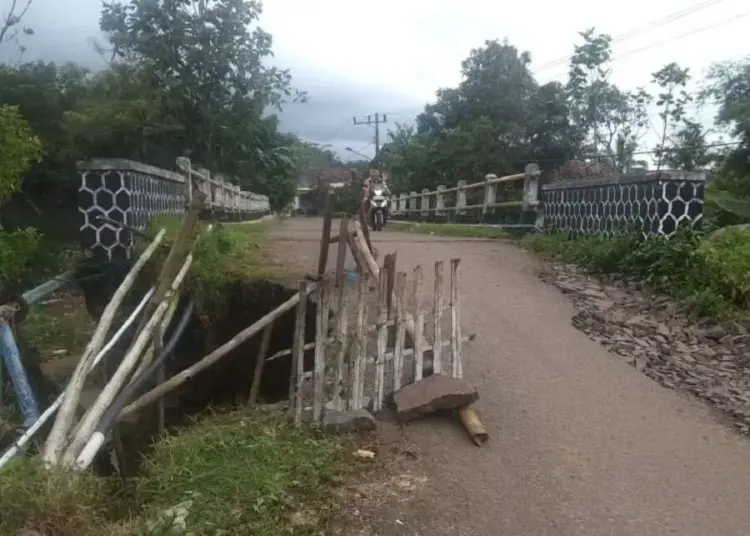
56 441
92 417
190 372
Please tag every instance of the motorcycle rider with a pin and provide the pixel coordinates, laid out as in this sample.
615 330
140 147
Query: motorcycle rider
374 179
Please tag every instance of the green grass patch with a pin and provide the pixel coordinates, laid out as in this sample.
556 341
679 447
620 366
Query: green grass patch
711 276
246 474
449 229
235 474
227 255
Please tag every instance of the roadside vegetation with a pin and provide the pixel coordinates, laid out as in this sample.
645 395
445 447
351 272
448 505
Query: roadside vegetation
238 473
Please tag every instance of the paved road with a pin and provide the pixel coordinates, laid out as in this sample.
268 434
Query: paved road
581 443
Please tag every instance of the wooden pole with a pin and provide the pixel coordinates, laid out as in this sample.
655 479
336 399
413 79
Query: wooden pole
372 266
341 254
326 236
260 363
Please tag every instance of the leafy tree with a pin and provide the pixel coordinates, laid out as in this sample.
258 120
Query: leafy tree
729 88
609 120
207 61
11 23
19 149
672 99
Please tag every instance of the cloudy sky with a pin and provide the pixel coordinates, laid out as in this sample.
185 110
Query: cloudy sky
389 56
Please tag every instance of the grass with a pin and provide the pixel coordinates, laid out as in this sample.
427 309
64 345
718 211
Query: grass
710 276
235 474
449 229
229 254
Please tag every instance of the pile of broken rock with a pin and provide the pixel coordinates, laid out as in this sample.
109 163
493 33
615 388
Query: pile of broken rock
655 335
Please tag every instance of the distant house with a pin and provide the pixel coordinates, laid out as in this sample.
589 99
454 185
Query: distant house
315 180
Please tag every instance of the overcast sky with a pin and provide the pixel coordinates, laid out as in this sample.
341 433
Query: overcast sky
390 56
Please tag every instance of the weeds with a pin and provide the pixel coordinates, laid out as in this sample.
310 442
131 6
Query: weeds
710 276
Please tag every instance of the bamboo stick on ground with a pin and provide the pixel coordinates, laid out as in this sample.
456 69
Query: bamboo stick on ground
58 435
213 357
470 421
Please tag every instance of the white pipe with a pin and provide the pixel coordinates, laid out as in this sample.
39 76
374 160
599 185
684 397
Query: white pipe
34 428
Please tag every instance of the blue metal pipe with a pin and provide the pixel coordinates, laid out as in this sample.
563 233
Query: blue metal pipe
24 393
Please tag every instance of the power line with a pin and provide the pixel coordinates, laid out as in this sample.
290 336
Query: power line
377 121
682 36
640 30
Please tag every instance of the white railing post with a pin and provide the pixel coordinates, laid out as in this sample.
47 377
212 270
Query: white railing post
402 204
413 202
424 204
461 197
531 187
490 193
440 200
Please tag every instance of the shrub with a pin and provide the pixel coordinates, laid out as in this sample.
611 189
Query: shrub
710 276
26 258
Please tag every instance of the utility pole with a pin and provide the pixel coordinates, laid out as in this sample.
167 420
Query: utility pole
379 119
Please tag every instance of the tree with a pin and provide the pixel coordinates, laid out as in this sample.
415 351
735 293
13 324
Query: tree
11 27
609 121
672 80
207 61
19 149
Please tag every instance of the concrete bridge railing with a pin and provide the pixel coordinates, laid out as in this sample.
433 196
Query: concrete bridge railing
657 202
117 197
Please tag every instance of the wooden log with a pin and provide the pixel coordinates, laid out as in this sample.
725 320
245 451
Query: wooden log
470 421
58 435
181 247
216 355
260 363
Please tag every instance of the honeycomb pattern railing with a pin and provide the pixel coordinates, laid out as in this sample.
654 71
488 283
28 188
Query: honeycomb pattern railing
659 203
117 196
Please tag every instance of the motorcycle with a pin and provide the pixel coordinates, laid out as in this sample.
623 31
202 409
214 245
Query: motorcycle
378 209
